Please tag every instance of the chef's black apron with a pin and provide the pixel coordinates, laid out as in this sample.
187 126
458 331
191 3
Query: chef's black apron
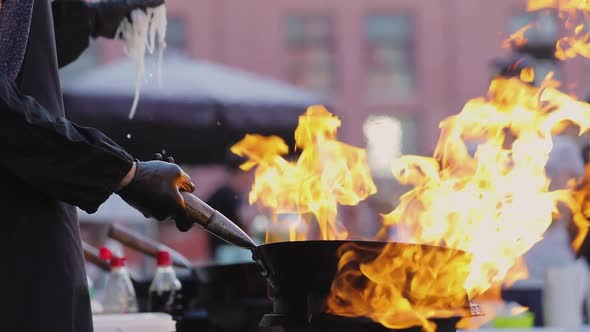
42 278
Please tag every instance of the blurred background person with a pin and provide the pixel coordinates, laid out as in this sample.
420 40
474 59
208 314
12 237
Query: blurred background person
565 164
231 200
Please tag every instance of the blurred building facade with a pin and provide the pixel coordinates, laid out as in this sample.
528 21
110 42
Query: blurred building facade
414 61
406 63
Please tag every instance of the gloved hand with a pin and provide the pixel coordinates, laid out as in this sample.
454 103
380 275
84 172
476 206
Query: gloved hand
155 189
108 14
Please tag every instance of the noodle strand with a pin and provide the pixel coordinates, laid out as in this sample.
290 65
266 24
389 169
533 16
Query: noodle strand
139 35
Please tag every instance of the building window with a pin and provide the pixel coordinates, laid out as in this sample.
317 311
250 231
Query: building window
389 57
388 138
176 34
310 47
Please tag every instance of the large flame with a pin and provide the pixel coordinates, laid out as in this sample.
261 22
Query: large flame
493 202
484 193
402 287
327 173
573 14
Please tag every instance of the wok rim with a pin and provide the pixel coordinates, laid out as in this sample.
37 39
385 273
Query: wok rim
268 246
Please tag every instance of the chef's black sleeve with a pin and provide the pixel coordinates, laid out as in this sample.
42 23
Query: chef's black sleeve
72 22
73 164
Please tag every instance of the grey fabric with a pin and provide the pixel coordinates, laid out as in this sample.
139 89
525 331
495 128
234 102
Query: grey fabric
565 162
15 22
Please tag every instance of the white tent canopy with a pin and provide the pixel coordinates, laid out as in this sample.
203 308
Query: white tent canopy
114 209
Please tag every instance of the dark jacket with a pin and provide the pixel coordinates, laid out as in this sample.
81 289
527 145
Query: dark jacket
48 166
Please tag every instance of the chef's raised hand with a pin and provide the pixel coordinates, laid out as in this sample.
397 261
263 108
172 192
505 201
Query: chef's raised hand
154 190
108 14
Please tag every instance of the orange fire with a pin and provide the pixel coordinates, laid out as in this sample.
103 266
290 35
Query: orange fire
402 287
484 192
574 14
327 173
493 202
517 38
534 5
484 196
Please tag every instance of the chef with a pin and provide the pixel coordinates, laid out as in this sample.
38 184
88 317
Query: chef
49 165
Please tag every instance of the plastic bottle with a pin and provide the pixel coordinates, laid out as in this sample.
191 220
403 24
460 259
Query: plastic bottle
119 294
91 290
105 254
95 306
164 292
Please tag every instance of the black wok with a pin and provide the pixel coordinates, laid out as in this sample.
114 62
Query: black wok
300 276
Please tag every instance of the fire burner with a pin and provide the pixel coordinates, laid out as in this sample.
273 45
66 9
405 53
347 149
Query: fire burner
299 276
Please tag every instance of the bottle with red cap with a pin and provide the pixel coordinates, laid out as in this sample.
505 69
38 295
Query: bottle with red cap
105 254
164 292
119 296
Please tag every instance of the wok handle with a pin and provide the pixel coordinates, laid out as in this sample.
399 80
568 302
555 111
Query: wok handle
214 222
91 255
196 209
146 245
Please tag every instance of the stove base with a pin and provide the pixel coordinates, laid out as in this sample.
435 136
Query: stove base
329 323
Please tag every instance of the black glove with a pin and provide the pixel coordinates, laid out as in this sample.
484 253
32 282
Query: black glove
107 15
155 192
